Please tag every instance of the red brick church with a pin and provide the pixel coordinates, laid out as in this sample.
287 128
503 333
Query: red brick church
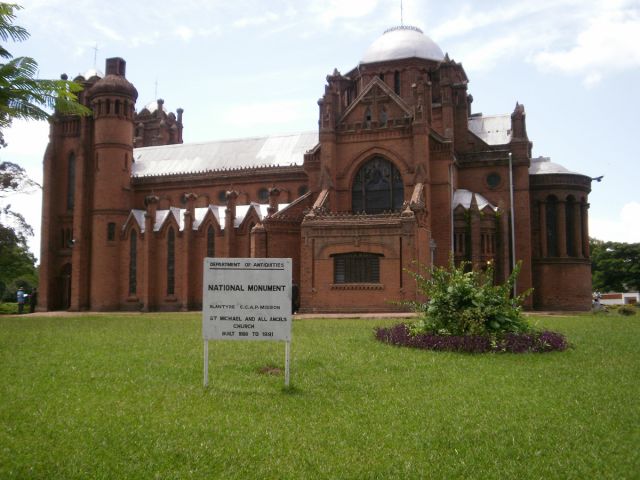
399 171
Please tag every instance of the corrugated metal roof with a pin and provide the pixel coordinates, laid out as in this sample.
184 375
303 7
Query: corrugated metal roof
271 151
200 213
464 197
492 129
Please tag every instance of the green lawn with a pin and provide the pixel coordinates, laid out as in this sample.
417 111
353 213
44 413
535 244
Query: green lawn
115 396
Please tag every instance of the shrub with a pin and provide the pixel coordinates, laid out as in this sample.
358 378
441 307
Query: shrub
626 310
530 342
464 302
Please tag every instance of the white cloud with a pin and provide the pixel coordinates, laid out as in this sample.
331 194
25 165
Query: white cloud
268 17
609 42
26 138
268 113
185 33
624 227
329 11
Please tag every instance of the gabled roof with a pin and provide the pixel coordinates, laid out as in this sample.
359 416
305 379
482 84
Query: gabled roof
465 198
258 152
492 129
200 213
385 88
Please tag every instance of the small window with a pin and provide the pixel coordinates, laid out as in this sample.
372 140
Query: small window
493 180
111 231
302 189
356 267
211 239
71 181
222 196
263 195
396 82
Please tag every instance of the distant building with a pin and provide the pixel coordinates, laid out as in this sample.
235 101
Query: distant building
628 298
399 171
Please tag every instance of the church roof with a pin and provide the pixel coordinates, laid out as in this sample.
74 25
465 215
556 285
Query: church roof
218 211
492 129
402 42
271 151
465 198
544 165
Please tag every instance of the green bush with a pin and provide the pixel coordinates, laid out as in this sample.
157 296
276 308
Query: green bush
464 302
8 308
626 310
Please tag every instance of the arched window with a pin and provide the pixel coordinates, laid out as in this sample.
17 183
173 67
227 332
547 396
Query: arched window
552 226
171 261
396 82
211 241
263 195
133 265
377 188
570 212
367 117
383 117
71 181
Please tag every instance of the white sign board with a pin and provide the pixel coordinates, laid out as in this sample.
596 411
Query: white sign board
246 299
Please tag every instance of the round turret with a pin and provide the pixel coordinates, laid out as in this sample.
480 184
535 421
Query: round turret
114 82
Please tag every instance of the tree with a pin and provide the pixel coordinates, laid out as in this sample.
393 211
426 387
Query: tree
23 96
615 266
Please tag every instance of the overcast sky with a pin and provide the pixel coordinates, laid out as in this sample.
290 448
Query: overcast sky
256 67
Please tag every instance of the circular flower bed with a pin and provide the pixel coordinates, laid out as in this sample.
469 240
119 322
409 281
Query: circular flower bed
530 342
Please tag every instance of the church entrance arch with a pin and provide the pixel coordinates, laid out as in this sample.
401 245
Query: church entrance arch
377 188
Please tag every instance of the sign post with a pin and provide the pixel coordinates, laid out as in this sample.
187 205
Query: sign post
246 299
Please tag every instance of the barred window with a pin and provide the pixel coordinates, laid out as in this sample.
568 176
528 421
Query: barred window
171 261
356 267
133 262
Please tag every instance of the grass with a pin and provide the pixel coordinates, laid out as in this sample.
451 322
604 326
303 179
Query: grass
121 396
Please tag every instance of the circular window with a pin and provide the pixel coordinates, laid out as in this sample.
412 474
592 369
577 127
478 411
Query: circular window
263 195
222 196
302 189
493 180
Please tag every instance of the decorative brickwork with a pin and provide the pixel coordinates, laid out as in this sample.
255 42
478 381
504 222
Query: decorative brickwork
401 173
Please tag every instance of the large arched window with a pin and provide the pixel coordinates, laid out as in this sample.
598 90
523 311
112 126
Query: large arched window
133 263
71 181
377 188
171 261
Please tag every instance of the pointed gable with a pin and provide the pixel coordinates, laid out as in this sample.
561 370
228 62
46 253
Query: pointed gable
376 106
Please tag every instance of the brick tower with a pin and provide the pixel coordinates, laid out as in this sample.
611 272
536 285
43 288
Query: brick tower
112 100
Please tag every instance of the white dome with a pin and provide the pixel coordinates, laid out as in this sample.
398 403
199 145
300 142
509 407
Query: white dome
544 165
402 42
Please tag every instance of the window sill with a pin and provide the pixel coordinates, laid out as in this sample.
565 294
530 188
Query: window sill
357 286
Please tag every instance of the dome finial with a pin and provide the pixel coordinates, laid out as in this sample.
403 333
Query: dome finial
401 19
